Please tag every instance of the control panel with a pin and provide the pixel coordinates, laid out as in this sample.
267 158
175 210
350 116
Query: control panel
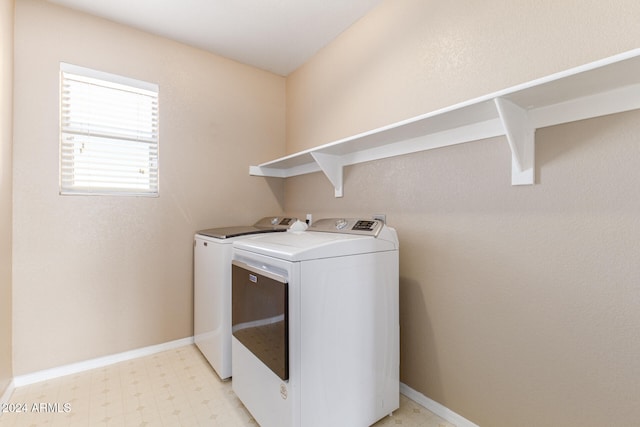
370 227
275 222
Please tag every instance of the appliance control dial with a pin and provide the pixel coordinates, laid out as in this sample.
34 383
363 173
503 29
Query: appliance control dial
274 221
341 223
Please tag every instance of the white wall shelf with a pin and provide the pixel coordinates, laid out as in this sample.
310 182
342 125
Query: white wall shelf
608 86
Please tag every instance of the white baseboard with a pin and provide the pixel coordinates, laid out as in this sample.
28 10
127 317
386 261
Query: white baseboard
99 362
6 396
433 406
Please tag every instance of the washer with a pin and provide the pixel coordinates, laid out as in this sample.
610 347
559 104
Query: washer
315 324
212 287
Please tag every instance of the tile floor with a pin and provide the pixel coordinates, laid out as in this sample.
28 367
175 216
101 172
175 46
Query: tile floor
173 388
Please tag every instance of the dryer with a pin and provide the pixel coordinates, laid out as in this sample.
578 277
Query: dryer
212 287
315 324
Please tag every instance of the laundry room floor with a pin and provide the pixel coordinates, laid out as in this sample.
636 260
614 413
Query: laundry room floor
172 388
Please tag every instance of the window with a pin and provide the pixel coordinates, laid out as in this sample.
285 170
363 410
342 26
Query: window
108 133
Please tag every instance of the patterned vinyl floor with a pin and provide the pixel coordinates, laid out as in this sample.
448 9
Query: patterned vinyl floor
175 388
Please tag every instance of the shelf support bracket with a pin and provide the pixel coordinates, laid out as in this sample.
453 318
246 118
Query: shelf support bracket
521 137
332 167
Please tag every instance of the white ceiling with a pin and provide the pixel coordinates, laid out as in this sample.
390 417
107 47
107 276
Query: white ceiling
274 35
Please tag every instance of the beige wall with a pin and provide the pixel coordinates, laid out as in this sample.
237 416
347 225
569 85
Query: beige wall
100 275
519 305
6 139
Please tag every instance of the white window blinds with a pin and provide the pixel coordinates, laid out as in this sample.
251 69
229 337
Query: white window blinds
108 133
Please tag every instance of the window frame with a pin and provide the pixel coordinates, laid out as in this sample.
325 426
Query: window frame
117 83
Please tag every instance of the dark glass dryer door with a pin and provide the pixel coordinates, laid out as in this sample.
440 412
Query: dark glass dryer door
260 318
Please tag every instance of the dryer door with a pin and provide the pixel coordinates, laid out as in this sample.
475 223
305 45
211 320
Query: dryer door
260 315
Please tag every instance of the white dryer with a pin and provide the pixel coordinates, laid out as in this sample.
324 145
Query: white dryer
315 324
212 287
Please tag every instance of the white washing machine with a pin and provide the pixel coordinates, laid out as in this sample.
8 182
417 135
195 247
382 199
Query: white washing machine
212 287
315 323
